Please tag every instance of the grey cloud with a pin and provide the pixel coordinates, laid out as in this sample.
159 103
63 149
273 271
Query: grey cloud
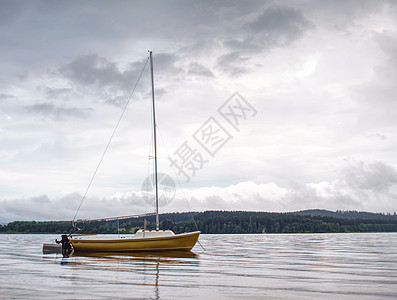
92 70
387 42
360 185
58 93
233 63
197 69
376 136
344 15
39 208
6 96
277 26
166 62
95 75
278 23
387 72
86 27
300 194
117 101
57 112
200 48
376 176
41 199
109 80
8 10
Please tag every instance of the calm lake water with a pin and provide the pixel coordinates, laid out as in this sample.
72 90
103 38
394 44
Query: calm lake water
285 266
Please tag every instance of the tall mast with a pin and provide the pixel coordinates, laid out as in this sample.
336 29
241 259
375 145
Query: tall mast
155 144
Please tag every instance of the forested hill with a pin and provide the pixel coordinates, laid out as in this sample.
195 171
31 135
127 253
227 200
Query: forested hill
348 214
310 221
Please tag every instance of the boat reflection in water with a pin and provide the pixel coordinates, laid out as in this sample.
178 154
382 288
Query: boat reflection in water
149 270
150 256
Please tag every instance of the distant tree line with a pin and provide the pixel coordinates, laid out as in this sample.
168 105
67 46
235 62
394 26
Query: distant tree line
226 222
348 214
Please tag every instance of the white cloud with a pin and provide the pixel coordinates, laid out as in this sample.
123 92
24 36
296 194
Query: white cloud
360 186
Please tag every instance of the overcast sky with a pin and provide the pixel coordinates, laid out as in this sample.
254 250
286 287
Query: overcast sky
313 123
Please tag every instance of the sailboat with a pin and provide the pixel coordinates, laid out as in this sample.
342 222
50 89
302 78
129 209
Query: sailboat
143 239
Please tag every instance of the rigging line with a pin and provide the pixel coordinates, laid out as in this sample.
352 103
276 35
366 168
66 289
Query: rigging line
110 140
201 245
179 183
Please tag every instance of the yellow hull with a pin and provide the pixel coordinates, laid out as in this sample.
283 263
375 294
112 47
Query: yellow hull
179 242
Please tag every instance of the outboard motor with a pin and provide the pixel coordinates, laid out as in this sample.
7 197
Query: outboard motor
67 248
